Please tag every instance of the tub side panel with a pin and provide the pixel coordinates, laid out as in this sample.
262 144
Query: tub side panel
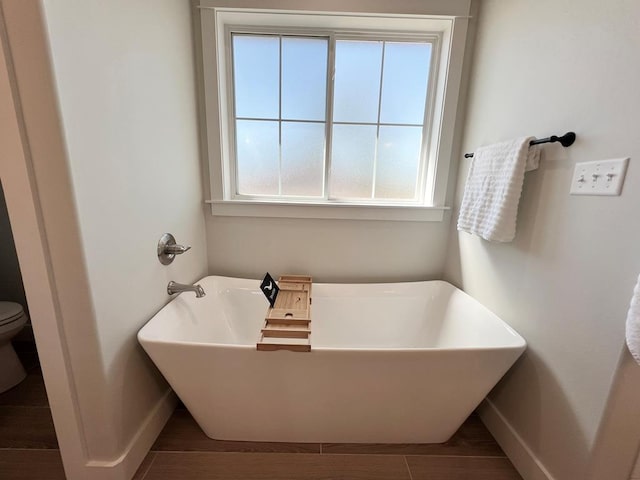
330 396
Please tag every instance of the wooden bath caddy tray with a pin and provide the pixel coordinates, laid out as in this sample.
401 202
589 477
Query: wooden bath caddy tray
287 325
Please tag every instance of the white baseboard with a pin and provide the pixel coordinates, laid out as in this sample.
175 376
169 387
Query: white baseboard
125 466
525 461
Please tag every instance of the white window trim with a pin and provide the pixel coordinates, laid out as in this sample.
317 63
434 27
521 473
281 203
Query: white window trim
451 31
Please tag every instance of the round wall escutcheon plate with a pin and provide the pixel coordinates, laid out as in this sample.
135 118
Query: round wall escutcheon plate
166 240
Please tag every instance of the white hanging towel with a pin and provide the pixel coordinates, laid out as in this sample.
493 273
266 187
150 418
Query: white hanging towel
633 323
494 184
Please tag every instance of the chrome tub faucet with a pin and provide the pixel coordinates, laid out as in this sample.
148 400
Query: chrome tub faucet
174 288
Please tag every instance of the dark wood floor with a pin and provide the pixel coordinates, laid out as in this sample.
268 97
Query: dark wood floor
29 450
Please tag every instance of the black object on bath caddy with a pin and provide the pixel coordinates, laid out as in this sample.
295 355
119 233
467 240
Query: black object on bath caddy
270 289
565 140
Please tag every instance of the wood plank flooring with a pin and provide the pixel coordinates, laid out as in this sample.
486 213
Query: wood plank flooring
29 451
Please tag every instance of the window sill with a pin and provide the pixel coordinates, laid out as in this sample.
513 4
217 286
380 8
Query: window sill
407 213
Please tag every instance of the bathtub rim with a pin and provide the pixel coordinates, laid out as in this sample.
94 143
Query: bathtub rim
519 342
228 346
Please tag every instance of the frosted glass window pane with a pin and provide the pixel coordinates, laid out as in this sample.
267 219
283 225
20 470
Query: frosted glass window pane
357 81
304 78
398 160
257 154
404 82
352 157
256 76
302 158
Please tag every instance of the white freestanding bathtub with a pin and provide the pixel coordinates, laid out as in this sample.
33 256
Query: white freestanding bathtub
390 363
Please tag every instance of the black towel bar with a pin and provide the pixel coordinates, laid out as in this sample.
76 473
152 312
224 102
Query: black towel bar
565 140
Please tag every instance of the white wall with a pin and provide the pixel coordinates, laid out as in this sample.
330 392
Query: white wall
330 250
544 68
120 169
124 72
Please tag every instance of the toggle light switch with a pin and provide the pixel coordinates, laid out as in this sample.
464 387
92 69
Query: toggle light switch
603 177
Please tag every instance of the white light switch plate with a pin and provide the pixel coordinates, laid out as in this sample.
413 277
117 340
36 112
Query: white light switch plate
602 177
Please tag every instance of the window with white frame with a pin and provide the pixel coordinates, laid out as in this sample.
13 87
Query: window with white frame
325 109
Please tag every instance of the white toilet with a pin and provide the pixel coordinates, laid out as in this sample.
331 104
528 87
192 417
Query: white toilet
12 319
